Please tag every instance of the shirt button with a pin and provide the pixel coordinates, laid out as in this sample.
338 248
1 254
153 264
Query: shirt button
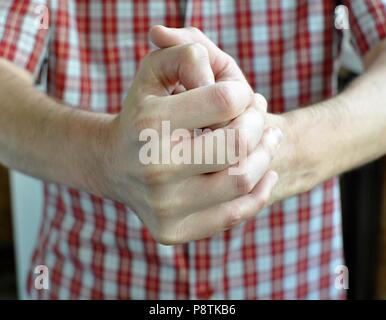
204 292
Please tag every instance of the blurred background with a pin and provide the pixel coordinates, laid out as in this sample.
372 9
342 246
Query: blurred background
363 203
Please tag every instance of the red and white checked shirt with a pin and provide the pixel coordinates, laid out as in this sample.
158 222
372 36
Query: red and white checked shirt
95 248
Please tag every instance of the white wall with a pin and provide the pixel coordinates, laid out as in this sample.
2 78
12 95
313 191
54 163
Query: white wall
27 201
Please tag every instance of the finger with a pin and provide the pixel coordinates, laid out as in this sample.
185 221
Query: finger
230 214
187 65
204 106
216 150
261 103
255 166
224 67
179 89
251 122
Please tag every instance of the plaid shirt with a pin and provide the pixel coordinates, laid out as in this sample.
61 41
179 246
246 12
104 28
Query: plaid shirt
95 248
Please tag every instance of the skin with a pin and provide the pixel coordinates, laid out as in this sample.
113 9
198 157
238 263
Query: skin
99 152
342 133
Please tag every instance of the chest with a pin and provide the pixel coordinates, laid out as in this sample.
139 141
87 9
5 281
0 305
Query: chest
285 48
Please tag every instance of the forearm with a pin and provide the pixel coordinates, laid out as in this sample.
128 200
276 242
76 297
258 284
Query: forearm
43 138
331 137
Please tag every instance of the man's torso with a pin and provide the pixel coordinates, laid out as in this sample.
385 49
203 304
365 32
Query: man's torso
96 248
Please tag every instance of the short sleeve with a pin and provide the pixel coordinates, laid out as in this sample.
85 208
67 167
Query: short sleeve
367 23
23 39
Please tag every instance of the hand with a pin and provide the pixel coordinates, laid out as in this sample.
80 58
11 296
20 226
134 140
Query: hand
225 68
223 65
165 196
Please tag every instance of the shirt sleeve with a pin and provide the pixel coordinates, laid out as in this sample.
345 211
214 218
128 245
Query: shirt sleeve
23 38
367 23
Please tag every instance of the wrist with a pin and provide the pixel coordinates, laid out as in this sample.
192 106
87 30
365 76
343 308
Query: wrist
286 154
95 150
293 161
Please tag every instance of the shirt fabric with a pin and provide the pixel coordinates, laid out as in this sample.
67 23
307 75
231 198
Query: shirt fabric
99 249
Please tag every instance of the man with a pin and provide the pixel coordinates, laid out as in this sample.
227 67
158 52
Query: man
97 248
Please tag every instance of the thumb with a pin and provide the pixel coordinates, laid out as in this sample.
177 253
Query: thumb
187 65
223 66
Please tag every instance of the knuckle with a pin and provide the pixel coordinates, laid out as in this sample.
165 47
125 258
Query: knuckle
271 142
144 117
250 131
154 175
164 202
263 202
234 218
162 237
142 124
244 184
161 211
261 102
194 31
231 60
164 240
160 174
195 51
169 235
163 207
148 60
151 55
225 100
